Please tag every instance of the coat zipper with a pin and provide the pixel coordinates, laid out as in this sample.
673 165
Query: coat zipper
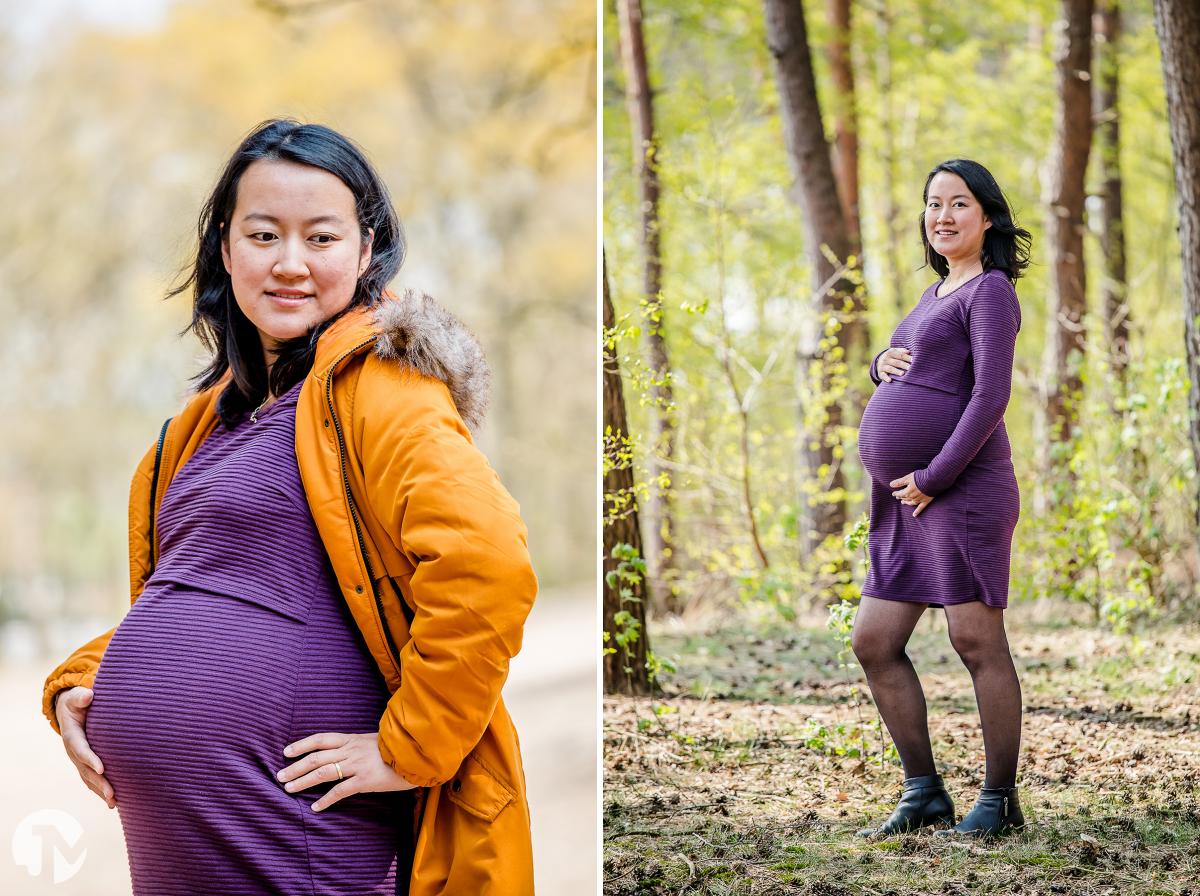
158 453
393 651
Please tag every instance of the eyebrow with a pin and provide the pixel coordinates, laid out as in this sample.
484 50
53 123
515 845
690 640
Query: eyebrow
956 196
320 219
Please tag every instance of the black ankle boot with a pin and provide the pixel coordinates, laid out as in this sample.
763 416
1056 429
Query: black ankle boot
997 811
923 802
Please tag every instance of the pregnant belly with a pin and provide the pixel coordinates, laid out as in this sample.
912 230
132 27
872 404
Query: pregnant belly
195 699
903 428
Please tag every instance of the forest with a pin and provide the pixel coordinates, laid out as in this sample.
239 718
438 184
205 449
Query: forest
763 166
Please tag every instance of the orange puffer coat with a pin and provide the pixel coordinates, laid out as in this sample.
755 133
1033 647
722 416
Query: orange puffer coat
431 556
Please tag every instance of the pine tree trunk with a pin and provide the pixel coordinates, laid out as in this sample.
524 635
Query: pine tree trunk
640 102
625 671
854 334
887 127
1108 150
1178 26
1066 337
825 229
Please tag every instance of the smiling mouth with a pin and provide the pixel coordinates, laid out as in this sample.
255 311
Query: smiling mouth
945 233
289 296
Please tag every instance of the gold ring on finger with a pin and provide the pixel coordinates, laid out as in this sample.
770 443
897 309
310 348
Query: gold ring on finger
337 767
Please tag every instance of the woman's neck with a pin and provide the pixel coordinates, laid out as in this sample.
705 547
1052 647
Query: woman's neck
964 270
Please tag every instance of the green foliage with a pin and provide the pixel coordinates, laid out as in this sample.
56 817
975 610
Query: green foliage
628 575
627 578
1122 515
850 739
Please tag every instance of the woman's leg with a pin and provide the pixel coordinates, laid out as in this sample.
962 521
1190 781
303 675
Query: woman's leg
977 633
881 632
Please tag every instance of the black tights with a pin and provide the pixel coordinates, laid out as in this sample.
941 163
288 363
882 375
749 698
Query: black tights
881 632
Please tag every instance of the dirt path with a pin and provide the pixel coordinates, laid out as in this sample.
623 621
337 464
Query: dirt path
551 694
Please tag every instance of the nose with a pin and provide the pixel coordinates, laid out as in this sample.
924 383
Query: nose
290 263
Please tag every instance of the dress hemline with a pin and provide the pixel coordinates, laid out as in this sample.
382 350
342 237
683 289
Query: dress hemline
936 603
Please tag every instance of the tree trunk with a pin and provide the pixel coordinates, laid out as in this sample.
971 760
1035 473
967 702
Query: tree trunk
825 229
625 670
854 334
887 126
1178 26
845 126
1112 225
640 102
1066 338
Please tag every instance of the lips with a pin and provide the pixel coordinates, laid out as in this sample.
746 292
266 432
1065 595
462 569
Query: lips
945 233
289 296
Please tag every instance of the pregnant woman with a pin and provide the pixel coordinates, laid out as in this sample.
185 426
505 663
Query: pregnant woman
328 579
944 499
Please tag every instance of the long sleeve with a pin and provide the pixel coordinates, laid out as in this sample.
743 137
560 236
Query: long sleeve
873 370
473 584
993 320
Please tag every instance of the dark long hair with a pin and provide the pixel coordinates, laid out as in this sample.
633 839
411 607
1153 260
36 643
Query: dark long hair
216 318
1005 245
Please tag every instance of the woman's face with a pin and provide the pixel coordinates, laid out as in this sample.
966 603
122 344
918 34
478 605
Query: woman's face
293 249
954 219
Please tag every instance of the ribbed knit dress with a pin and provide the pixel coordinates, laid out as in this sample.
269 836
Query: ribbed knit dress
239 645
944 419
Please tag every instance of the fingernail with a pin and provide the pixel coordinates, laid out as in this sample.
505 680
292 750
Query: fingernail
317 808
289 786
287 751
279 775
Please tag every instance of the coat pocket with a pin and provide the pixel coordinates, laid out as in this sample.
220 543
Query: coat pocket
478 791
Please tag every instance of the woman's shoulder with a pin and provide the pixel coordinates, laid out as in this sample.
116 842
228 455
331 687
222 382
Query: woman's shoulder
420 347
995 292
995 279
991 285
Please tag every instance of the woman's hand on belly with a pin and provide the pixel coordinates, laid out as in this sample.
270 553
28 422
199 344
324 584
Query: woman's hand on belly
355 756
893 362
908 493
71 708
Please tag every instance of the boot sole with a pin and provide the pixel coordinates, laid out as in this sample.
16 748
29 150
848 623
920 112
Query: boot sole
979 834
933 822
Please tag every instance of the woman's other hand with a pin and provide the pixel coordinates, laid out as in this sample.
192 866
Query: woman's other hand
356 756
908 493
893 362
71 708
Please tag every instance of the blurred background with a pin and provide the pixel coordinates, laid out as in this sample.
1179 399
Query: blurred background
115 119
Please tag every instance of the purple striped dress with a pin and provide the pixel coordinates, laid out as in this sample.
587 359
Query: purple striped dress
240 644
944 419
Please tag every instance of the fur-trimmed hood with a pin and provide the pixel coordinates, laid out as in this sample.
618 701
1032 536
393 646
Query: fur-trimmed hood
413 330
417 331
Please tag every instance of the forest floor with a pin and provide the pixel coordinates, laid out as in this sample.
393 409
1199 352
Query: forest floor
748 775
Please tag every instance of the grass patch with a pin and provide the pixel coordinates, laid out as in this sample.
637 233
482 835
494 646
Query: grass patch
719 787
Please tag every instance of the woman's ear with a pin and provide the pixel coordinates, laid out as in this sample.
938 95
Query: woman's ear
364 260
225 250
